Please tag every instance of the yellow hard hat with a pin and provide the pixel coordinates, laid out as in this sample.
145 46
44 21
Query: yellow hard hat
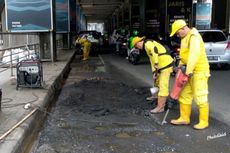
136 40
177 25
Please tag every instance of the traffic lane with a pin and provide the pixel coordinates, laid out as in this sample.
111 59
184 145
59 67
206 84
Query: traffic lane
219 84
219 89
141 73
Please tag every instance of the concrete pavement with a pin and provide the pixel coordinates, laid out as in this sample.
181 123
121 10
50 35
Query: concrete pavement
13 102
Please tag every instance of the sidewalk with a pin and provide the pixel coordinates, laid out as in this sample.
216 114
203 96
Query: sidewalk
13 102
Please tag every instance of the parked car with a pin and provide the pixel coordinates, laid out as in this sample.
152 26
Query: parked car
217 47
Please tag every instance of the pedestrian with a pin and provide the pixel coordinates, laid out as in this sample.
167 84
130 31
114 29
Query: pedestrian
86 44
162 66
193 56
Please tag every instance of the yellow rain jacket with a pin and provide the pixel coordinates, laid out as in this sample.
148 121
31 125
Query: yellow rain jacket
158 55
86 47
193 55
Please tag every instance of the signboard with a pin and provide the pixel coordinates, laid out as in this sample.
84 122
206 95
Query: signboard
203 15
135 19
179 9
72 15
28 15
152 16
62 20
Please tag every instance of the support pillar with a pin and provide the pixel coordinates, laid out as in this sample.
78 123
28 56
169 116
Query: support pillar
142 16
53 49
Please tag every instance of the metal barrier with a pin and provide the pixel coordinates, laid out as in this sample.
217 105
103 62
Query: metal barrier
12 55
23 45
15 47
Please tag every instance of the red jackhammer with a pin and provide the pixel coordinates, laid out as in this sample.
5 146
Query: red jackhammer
180 81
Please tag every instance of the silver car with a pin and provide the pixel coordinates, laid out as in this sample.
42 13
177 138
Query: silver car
217 46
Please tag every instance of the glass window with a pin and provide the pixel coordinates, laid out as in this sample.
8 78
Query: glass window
213 36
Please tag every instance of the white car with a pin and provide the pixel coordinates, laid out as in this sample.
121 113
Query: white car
217 46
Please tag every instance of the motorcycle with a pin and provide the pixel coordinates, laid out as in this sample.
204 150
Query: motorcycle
122 46
134 56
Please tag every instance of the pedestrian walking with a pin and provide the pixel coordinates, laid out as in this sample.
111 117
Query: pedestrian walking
162 66
193 56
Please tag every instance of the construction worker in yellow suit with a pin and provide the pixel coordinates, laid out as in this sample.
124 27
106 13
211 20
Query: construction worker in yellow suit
86 47
162 66
193 55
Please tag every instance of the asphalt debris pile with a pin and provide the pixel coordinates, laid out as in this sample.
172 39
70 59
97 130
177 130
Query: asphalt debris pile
97 112
100 96
100 115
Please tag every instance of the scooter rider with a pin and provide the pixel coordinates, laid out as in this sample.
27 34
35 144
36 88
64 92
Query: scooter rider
134 34
162 66
193 55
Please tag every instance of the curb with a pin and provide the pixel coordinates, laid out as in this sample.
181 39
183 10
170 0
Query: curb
28 131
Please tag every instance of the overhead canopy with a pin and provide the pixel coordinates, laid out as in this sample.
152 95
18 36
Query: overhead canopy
99 10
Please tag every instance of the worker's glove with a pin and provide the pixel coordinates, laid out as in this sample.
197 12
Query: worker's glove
155 74
170 103
175 69
77 41
183 68
156 66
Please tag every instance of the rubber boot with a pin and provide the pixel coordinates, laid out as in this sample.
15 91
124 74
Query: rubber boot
185 112
203 118
160 105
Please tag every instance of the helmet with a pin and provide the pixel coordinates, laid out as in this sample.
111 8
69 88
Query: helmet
135 32
136 40
177 25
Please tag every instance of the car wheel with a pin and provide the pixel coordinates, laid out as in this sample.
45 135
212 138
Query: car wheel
134 59
225 66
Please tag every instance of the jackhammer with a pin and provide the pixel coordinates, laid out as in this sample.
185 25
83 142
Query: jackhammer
180 81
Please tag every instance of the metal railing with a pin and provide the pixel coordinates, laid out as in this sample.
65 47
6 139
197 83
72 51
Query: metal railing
25 45
11 56
15 47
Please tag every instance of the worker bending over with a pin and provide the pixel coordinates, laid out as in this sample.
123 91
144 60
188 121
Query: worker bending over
161 64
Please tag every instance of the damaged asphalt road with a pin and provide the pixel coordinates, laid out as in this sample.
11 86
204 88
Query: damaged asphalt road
98 113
